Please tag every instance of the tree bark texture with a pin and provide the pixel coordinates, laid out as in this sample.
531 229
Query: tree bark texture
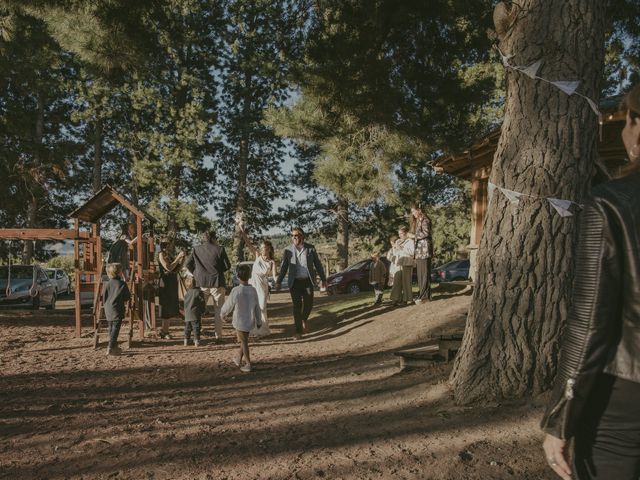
547 148
241 199
243 161
342 236
34 187
97 155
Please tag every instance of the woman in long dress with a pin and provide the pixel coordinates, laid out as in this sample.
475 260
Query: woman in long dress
421 233
264 266
170 265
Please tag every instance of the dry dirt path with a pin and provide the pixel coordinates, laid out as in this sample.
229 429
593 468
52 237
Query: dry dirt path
331 405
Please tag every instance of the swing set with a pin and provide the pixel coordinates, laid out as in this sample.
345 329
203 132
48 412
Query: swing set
89 262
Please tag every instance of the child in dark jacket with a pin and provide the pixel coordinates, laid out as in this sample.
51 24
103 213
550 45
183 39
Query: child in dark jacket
115 295
194 306
377 276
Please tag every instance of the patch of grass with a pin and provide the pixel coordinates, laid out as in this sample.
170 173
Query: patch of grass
340 303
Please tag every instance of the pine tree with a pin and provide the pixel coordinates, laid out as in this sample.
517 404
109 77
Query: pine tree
39 145
260 38
169 114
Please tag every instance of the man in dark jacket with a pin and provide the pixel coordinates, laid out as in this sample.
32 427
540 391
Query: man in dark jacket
119 251
207 263
115 295
300 262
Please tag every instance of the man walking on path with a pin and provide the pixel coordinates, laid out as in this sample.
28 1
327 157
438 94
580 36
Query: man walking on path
300 262
207 263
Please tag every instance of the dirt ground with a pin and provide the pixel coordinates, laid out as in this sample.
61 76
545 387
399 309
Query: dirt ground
333 405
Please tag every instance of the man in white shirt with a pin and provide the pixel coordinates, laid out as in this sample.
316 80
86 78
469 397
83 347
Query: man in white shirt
300 262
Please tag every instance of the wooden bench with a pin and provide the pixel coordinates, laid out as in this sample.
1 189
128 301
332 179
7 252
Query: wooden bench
442 348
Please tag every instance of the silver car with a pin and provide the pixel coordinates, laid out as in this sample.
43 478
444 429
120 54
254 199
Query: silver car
26 286
60 280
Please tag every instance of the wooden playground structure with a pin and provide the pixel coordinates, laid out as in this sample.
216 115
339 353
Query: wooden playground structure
89 261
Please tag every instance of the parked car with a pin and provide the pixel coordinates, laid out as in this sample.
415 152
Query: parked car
60 279
455 270
86 297
26 286
353 279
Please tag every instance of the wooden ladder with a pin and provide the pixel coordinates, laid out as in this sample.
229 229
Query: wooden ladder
97 309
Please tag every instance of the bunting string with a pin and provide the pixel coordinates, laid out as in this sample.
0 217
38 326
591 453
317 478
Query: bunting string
531 71
561 206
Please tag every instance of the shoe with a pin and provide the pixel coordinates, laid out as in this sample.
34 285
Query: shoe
113 351
418 301
297 336
185 342
246 368
196 343
236 360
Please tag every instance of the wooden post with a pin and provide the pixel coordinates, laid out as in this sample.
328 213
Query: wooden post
139 282
95 235
152 276
76 257
480 201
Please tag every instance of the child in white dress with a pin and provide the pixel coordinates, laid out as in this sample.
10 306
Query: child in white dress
243 302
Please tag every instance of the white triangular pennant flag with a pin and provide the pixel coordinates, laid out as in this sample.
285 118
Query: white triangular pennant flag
593 105
561 206
567 87
532 69
492 188
513 197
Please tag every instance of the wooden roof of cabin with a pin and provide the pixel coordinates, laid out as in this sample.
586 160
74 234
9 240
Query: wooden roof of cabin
105 200
610 147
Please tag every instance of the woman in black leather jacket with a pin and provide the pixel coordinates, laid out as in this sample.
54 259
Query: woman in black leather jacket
596 399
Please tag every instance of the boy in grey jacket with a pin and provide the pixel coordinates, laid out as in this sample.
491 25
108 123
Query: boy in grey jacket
194 307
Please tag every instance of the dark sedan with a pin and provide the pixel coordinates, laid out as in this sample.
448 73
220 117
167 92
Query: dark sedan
353 279
26 286
455 270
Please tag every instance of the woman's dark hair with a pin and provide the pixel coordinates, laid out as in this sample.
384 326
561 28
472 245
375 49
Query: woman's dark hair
413 223
270 251
631 102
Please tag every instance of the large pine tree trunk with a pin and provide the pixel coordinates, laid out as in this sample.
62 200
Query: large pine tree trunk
547 149
241 199
32 208
172 214
342 240
97 156
243 161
